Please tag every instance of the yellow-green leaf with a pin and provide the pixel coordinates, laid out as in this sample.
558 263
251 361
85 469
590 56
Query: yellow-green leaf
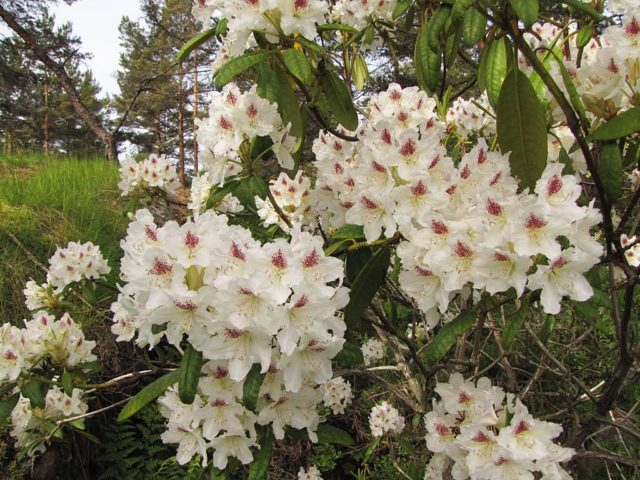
526 10
610 170
473 27
447 337
189 375
622 125
236 66
148 394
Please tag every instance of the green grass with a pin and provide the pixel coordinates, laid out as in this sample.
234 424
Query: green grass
49 201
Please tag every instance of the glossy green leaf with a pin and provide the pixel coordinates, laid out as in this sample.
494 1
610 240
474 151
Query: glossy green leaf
32 390
460 8
436 25
473 27
400 8
298 65
339 99
195 42
622 125
262 458
584 8
522 128
274 85
337 246
251 387
514 324
238 65
526 10
148 394
494 69
309 45
333 435
350 355
332 27
585 34
428 63
452 45
189 375
67 382
7 406
355 232
365 286
447 337
610 170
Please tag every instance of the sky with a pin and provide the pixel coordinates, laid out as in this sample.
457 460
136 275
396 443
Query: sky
96 23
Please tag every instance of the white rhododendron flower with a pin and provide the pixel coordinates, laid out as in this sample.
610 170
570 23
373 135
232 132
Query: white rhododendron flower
372 351
30 426
337 394
312 473
468 429
154 171
292 196
462 225
76 262
384 418
271 307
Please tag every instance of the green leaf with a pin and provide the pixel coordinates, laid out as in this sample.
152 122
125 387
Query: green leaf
400 8
436 25
566 161
514 325
309 45
365 286
262 458
32 390
332 27
584 8
447 337
584 35
7 406
356 260
460 8
274 85
547 328
195 42
622 125
236 66
473 27
215 474
428 63
453 42
526 10
337 246
333 435
350 355
371 449
339 99
355 232
298 65
493 69
189 374
148 394
251 387
67 383
610 170
522 129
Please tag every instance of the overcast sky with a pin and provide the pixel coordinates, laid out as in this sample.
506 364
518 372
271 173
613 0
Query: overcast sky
96 22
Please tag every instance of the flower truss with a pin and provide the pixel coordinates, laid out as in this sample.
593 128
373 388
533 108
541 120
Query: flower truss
483 434
155 171
311 474
463 224
240 303
337 395
292 195
384 418
74 263
235 120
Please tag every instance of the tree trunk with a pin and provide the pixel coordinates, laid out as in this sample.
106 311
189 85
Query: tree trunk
45 126
110 149
181 125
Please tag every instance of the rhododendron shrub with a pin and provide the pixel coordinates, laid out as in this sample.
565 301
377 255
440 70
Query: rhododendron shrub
407 272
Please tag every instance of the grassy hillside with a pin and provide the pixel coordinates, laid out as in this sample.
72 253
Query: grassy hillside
46 202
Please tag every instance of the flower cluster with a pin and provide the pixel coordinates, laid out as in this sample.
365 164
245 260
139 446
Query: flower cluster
385 418
359 13
311 474
372 351
235 119
472 116
62 342
463 224
155 171
74 263
337 395
484 433
292 196
31 426
199 195
240 303
272 18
